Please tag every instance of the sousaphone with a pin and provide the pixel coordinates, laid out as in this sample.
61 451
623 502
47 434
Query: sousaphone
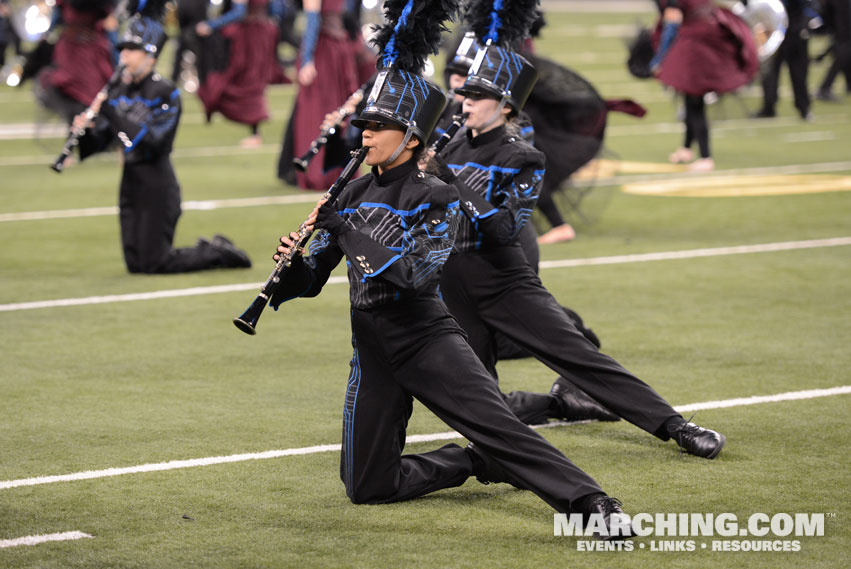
767 20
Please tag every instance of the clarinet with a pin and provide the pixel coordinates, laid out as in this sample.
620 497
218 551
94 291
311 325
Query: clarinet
451 131
301 163
247 322
90 113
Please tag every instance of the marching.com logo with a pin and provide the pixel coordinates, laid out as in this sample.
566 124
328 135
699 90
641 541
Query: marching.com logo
691 525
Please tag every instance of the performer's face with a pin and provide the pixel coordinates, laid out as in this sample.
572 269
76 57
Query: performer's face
456 82
481 109
137 62
383 139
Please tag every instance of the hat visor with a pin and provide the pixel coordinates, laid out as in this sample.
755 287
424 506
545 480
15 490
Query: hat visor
468 90
361 120
457 69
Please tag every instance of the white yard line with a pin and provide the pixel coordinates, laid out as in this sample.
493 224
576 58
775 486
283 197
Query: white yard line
612 90
197 152
196 291
610 260
175 464
36 539
203 205
696 253
309 197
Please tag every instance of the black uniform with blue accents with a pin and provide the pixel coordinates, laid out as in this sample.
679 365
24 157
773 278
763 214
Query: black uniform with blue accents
402 224
490 287
143 117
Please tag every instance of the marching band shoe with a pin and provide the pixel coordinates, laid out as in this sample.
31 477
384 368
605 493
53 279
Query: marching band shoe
560 234
574 405
764 114
695 440
618 524
681 156
702 165
232 257
485 470
827 96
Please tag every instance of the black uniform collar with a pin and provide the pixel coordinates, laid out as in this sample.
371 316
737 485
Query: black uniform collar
394 174
487 137
136 85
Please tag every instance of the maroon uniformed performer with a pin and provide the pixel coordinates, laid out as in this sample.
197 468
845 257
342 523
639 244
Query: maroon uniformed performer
238 90
701 48
83 57
334 62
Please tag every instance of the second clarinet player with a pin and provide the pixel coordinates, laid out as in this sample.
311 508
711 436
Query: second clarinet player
142 113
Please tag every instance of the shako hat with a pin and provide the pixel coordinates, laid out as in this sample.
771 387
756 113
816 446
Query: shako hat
144 29
401 95
498 70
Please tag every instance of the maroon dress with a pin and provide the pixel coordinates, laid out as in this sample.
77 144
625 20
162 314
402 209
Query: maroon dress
239 92
82 60
713 52
342 65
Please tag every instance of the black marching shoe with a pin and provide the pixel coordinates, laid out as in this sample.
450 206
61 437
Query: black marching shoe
574 405
618 524
485 470
695 440
826 95
764 114
232 256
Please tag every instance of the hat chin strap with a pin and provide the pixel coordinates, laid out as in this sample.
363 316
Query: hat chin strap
405 140
495 116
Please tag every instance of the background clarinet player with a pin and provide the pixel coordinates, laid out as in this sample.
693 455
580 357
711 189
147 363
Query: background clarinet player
142 112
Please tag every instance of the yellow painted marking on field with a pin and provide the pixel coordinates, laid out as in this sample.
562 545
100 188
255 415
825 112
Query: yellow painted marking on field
603 168
733 186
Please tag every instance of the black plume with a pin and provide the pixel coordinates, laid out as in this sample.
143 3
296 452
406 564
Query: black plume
411 31
154 9
503 22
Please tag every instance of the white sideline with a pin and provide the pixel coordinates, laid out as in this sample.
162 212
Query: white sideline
202 205
614 259
695 253
309 197
174 464
36 539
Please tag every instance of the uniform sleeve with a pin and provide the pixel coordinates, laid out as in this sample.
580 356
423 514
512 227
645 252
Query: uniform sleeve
306 276
427 244
147 125
237 13
511 201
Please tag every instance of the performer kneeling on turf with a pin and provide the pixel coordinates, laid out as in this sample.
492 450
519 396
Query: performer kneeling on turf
395 227
487 282
142 113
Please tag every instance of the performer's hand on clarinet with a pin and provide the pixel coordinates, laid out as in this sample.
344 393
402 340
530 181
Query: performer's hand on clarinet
331 119
84 120
425 159
330 220
81 122
287 242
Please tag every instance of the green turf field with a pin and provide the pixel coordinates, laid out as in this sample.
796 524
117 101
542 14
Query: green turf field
127 383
